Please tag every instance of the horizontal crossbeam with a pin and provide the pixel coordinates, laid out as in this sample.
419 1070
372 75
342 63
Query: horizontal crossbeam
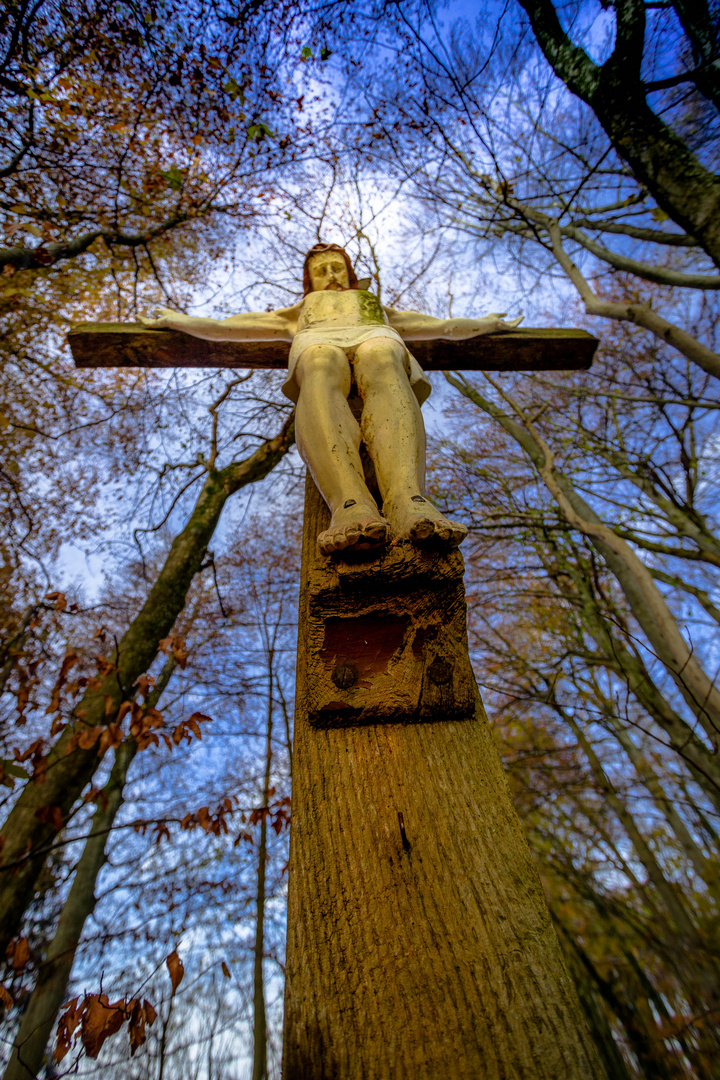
103 345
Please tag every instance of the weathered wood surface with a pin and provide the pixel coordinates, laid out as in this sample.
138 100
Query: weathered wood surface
419 946
98 345
386 638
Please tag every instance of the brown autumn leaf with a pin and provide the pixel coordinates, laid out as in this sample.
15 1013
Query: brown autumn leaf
6 997
69 661
141 1013
100 1021
225 970
161 831
153 717
176 970
112 736
200 718
144 684
180 653
87 738
104 666
124 709
67 1023
34 753
50 815
23 695
29 752
57 725
18 953
57 599
72 1015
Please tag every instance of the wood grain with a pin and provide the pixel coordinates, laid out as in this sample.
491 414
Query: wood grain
421 953
99 345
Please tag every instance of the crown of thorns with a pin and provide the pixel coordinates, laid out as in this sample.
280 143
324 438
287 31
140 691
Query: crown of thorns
318 249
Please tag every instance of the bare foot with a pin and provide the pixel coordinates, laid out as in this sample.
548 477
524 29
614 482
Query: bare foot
354 525
414 518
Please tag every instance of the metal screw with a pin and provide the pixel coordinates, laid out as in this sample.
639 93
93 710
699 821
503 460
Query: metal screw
439 672
345 675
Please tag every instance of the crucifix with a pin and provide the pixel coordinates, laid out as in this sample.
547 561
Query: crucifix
419 942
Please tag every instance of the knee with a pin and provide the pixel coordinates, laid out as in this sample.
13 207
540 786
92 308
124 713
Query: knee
326 363
379 359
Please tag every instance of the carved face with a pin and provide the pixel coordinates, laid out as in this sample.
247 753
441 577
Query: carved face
328 271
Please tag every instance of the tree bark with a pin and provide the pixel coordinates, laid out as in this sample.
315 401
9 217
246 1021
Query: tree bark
702 33
659 159
419 941
53 976
640 314
26 840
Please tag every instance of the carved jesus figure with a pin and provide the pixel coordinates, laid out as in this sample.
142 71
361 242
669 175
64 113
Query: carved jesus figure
342 336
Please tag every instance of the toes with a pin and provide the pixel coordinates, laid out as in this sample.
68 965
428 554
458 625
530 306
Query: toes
455 534
376 531
325 543
422 529
369 534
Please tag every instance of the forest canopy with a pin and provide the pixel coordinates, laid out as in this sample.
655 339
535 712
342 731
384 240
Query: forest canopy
555 161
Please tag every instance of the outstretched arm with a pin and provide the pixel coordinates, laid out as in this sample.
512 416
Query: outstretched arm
414 326
277 325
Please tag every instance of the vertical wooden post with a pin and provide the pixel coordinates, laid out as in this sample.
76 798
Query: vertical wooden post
419 942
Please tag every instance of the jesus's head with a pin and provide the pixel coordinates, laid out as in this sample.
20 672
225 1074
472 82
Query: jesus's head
328 266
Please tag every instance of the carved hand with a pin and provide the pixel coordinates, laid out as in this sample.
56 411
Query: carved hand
166 319
491 323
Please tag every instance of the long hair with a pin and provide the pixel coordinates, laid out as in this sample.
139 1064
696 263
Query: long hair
317 250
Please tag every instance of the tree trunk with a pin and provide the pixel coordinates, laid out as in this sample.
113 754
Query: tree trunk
669 896
419 942
702 866
659 159
646 1044
627 665
54 974
695 964
592 1004
26 840
642 594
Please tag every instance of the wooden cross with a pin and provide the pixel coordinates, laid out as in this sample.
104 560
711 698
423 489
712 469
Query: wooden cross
420 946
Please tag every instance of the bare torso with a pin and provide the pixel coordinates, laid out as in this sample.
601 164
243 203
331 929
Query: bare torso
350 307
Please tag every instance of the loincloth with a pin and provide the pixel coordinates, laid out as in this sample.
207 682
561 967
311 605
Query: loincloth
348 338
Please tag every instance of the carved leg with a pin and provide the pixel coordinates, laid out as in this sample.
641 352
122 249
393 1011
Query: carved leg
328 438
394 433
